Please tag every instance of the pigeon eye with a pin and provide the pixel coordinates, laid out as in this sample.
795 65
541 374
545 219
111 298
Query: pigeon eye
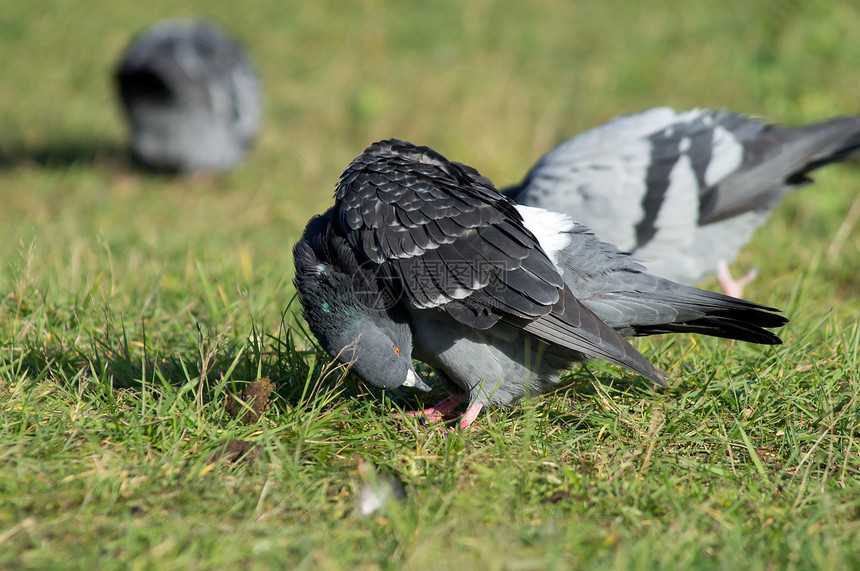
396 348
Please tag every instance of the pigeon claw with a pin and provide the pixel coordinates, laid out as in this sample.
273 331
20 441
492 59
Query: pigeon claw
731 286
469 416
443 410
437 412
466 421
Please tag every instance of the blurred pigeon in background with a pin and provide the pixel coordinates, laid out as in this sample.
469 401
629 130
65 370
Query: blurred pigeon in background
683 191
423 257
191 97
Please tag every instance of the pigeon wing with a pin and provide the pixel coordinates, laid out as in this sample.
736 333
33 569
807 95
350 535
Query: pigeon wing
633 181
774 161
614 286
648 182
446 237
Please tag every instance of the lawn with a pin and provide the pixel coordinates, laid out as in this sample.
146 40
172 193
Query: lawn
133 306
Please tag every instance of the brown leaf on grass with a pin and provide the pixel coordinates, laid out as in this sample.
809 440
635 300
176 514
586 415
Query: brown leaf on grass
237 451
255 396
556 497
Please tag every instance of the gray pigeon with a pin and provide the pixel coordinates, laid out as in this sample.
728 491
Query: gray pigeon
422 257
191 97
683 191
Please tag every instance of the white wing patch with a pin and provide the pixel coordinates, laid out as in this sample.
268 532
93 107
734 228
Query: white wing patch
727 153
677 219
550 229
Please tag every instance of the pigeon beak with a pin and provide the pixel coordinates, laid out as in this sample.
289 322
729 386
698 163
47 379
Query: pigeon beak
415 382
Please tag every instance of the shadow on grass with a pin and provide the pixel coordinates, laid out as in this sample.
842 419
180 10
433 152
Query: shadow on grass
208 369
213 366
63 155
210 374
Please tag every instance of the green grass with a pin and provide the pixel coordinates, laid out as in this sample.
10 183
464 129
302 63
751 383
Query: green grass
132 304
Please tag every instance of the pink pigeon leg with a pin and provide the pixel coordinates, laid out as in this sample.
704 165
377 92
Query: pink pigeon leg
731 286
439 411
469 416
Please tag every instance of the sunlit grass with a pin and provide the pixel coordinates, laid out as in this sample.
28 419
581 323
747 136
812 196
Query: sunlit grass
132 304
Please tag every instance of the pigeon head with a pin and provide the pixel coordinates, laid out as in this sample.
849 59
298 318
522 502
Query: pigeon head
378 353
353 323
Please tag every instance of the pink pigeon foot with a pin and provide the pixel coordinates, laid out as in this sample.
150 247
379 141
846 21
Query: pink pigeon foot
469 417
437 412
731 286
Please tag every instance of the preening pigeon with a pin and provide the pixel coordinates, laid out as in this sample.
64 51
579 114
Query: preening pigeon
682 191
422 257
191 97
